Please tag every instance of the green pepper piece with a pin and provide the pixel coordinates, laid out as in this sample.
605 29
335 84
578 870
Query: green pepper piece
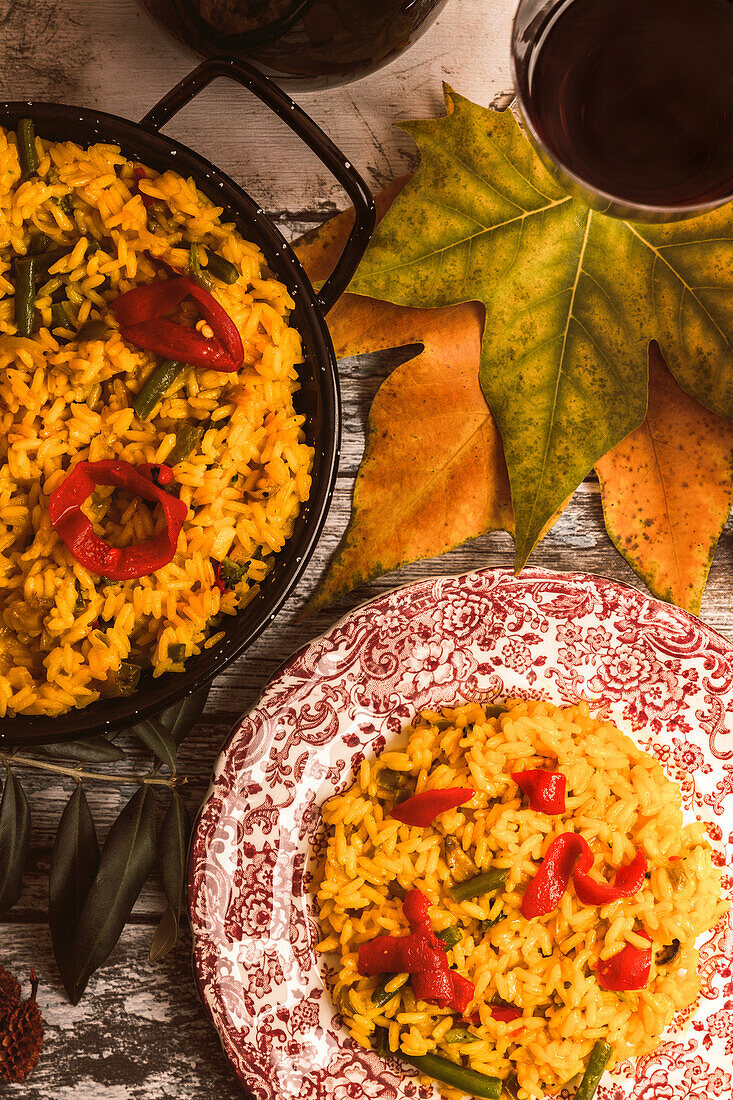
176 652
599 1059
231 572
510 1086
188 437
380 996
487 883
220 268
460 1035
489 922
389 779
124 681
156 387
92 330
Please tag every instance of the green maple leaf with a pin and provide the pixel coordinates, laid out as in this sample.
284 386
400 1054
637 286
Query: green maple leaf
572 299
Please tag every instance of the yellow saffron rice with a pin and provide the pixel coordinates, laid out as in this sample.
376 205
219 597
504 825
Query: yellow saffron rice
63 631
618 799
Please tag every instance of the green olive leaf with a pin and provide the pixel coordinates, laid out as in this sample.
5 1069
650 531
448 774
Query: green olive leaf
94 750
572 299
15 830
74 865
181 718
172 850
127 859
156 737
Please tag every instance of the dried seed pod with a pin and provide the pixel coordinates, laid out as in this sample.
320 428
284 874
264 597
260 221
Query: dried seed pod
21 1038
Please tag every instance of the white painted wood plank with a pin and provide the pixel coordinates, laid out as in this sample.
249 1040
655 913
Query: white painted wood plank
139 1033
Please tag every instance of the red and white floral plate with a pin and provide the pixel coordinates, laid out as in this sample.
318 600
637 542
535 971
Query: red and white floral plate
669 681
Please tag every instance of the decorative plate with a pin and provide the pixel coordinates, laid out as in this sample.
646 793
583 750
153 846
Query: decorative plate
669 682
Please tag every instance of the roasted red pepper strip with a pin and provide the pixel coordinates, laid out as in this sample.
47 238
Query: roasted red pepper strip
506 1013
546 889
76 531
436 986
422 809
415 907
420 954
627 970
397 955
627 882
141 314
545 790
139 173
463 991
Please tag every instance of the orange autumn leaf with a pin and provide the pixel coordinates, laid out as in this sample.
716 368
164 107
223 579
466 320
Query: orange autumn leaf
433 473
667 490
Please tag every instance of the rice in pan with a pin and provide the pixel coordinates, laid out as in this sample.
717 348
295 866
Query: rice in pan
234 441
538 1010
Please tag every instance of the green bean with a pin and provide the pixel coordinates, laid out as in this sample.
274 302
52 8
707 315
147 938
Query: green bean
460 1035
188 437
450 936
486 883
59 316
25 294
458 1077
220 268
599 1059
92 330
196 271
26 135
177 652
156 387
380 996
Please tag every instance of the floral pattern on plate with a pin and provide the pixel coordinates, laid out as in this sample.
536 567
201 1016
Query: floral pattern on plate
668 681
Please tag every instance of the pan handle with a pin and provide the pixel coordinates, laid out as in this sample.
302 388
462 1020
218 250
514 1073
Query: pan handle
303 125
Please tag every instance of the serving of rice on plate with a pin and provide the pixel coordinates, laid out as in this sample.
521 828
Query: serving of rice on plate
234 441
538 1012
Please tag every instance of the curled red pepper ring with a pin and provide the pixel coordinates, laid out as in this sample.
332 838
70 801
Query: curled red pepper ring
546 889
421 954
545 790
91 551
141 314
422 809
627 970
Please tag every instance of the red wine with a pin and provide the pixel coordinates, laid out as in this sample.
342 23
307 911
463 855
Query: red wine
635 97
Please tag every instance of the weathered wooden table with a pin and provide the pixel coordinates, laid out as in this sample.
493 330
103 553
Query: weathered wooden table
139 1032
